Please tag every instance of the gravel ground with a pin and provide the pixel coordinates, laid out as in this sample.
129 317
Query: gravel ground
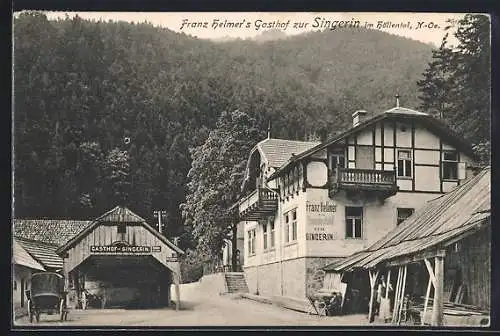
198 309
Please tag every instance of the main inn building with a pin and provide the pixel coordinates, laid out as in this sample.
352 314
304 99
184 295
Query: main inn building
310 204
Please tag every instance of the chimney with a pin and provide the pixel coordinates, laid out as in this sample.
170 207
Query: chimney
358 117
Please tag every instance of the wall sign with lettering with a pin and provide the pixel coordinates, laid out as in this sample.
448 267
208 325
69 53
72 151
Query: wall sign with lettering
320 236
320 207
123 249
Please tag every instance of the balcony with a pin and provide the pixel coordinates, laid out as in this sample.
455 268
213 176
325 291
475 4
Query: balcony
258 205
366 180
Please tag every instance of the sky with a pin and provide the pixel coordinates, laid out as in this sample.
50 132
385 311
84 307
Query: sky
424 27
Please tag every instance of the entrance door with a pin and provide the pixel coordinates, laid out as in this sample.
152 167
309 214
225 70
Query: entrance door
365 157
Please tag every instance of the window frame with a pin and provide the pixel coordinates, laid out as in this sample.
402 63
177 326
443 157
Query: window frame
294 225
286 228
351 220
403 164
273 234
449 162
264 236
251 242
398 217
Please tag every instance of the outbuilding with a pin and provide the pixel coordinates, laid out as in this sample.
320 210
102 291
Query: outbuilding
120 261
437 262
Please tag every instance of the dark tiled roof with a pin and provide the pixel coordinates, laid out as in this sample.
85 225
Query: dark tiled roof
21 257
279 151
56 232
464 209
42 252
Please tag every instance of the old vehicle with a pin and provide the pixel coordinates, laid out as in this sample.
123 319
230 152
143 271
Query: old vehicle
47 295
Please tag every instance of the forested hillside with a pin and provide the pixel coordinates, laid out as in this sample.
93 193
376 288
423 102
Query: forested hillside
82 87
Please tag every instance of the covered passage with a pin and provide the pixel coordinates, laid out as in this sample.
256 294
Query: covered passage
120 261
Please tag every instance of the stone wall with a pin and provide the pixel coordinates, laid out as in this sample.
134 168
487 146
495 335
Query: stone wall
315 274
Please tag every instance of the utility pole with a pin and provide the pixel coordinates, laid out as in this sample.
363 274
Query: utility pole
159 214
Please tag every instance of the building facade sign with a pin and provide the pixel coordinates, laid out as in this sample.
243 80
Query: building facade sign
124 249
320 207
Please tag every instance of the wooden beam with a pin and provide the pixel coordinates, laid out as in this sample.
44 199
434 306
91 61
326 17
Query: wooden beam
431 272
396 295
415 258
427 294
402 296
373 280
437 307
177 277
388 284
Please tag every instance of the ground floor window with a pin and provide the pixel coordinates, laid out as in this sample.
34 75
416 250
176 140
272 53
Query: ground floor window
264 235
291 226
294 225
251 242
404 213
272 231
287 228
354 222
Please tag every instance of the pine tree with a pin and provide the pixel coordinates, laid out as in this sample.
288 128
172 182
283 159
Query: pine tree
457 83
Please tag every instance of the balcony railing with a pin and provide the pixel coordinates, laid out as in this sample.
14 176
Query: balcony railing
365 179
259 204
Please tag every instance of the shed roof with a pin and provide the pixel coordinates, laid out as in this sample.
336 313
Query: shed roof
42 252
49 231
464 209
21 257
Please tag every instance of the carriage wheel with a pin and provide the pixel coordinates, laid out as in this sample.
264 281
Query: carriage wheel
30 311
61 310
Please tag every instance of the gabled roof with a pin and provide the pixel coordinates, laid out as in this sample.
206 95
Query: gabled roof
396 113
278 151
21 257
465 209
118 214
42 252
49 231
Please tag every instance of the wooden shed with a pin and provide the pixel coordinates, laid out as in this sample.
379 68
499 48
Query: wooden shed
437 261
121 260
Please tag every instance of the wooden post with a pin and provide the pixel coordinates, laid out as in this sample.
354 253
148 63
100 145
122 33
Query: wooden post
402 296
396 295
177 279
437 307
387 284
427 294
373 280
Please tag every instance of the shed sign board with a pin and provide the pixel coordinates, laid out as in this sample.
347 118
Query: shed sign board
121 249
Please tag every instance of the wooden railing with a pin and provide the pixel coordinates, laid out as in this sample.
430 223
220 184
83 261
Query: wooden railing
258 197
365 176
